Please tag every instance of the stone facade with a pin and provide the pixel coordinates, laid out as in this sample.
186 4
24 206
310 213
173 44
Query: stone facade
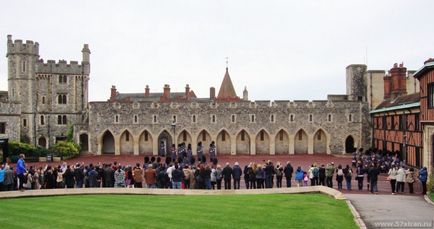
53 95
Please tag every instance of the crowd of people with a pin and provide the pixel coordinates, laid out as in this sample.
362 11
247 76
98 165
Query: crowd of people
186 174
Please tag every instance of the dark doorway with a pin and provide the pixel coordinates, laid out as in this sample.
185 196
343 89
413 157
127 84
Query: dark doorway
108 143
42 142
164 143
349 145
84 142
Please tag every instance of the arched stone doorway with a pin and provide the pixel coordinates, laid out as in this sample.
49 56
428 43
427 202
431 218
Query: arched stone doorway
164 139
243 143
262 143
108 143
300 142
184 137
145 143
349 145
282 142
320 142
84 142
205 138
223 143
127 143
42 142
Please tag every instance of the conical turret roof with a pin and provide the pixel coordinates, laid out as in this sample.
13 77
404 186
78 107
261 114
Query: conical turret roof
227 91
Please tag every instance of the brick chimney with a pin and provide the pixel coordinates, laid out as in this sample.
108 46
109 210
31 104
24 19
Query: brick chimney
113 93
398 76
212 93
147 91
387 84
187 91
166 91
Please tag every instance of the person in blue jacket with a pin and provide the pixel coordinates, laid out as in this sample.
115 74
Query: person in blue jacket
299 173
423 177
21 172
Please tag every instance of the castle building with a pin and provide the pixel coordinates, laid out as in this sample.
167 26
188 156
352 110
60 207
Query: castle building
46 98
404 120
43 97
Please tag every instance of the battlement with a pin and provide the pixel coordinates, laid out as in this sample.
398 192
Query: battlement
61 67
18 47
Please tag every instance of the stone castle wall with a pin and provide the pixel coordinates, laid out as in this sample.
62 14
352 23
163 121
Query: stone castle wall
280 134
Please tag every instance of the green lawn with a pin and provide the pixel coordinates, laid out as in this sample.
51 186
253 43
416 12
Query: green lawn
145 211
431 195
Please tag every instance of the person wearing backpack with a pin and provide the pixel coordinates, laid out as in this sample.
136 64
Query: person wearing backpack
339 176
279 174
348 172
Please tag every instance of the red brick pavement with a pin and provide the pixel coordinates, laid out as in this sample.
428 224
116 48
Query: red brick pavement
296 160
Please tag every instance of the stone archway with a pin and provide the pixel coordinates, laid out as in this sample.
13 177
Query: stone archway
84 142
282 142
349 145
42 142
320 142
127 143
108 143
223 143
262 143
300 142
145 143
164 139
205 138
184 137
243 143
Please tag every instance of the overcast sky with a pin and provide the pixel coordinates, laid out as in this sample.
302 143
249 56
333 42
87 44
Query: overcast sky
283 50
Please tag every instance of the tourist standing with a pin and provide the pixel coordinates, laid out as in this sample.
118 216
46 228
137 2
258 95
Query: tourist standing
236 174
393 172
348 173
423 177
269 173
360 176
299 175
79 175
138 176
400 179
187 175
246 174
119 177
21 172
9 178
373 173
321 175
219 176
259 177
2 177
288 174
68 176
279 175
227 174
151 176
339 176
177 177
330 169
409 178
213 177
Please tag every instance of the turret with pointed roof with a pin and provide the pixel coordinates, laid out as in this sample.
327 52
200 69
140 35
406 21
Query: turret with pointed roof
227 91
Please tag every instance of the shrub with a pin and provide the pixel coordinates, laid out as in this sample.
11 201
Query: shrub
65 149
41 151
16 148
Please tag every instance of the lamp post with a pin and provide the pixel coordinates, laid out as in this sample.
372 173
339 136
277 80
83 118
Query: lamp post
404 150
174 132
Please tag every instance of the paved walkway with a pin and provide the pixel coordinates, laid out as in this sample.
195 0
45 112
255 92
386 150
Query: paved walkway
393 211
